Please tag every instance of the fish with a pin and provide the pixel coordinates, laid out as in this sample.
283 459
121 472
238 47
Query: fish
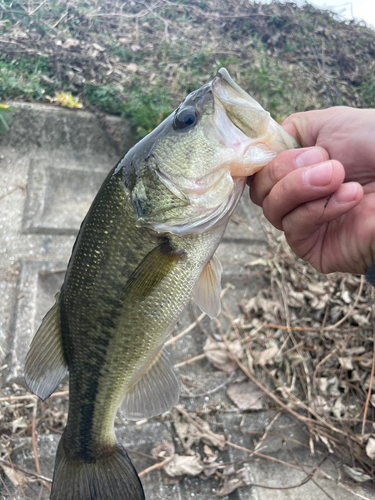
145 248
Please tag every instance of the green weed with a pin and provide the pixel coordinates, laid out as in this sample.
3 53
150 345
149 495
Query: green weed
143 107
4 110
367 92
25 78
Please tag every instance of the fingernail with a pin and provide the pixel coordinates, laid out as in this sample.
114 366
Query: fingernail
310 157
320 175
346 193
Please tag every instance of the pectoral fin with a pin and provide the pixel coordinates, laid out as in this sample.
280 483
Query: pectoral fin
208 288
151 271
155 392
45 365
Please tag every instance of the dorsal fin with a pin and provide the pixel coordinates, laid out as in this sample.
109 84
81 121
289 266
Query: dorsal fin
45 365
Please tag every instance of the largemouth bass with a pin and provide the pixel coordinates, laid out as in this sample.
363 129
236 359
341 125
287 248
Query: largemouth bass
146 246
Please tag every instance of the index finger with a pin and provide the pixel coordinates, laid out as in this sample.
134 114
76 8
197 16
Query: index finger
284 163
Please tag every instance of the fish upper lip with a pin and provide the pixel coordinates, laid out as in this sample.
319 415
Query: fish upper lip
223 79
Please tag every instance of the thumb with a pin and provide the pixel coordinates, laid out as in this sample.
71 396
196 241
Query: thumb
303 127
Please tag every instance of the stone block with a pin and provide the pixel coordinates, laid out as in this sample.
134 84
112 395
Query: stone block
59 198
50 128
37 285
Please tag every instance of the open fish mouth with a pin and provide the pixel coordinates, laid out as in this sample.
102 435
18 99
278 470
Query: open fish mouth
243 125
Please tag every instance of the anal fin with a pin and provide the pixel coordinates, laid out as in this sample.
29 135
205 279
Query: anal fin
155 392
45 365
208 288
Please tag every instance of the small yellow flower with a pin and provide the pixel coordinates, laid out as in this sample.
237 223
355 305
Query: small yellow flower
67 100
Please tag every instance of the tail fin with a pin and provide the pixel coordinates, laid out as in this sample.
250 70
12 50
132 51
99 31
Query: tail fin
110 477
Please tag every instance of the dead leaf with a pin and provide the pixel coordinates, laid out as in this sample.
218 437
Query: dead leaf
246 396
260 304
339 409
316 288
266 356
189 434
181 465
345 296
357 474
163 450
19 423
70 42
210 456
370 448
17 478
360 319
132 67
217 354
295 299
325 441
98 47
209 460
295 358
346 363
242 478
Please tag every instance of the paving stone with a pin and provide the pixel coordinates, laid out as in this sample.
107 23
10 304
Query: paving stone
287 442
59 198
38 283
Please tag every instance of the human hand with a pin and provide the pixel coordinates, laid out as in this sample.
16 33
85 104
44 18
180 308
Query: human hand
323 196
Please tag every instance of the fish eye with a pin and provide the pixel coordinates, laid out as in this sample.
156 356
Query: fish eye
187 117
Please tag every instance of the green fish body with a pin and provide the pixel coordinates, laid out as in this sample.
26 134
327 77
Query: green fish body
146 246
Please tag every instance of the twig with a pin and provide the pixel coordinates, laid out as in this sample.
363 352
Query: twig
33 437
339 483
332 327
296 328
154 467
52 429
16 477
127 16
313 471
195 323
6 488
190 361
233 445
26 397
299 417
268 428
326 358
39 6
141 454
21 186
25 471
226 382
184 332
372 369
309 477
